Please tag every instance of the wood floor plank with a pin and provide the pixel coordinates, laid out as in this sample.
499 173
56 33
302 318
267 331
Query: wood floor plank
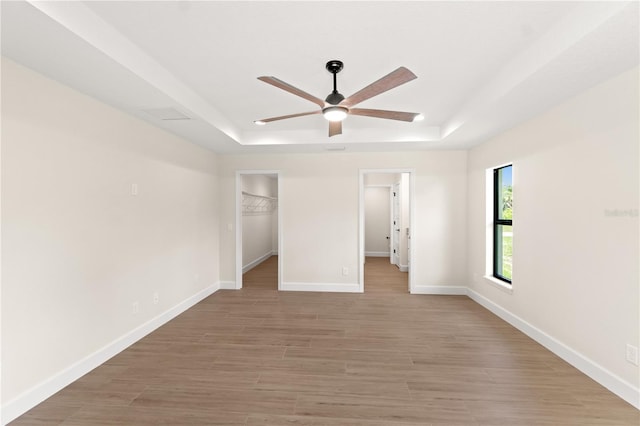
143 416
257 356
212 399
370 408
277 420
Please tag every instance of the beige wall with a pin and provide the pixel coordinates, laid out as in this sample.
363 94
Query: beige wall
78 248
377 216
575 265
319 207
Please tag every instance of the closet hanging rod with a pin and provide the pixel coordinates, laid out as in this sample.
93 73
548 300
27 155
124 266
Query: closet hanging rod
258 196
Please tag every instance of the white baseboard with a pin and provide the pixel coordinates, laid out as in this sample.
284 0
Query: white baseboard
377 254
322 287
439 289
34 396
403 268
615 384
228 285
249 266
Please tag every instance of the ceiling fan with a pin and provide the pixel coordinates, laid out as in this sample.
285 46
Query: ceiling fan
336 107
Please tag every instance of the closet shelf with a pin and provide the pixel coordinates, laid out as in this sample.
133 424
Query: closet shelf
253 203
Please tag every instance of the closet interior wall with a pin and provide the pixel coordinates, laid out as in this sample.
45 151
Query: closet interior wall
259 219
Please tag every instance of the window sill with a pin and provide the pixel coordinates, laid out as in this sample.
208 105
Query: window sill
499 284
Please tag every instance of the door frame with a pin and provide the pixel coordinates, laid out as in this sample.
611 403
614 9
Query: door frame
395 193
239 174
361 257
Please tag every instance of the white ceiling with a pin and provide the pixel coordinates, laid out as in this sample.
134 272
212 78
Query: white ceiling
482 67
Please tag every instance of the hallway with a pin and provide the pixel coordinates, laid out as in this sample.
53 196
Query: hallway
382 276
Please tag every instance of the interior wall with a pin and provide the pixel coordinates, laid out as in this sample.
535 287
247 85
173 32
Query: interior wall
372 179
258 227
575 213
78 247
377 214
319 208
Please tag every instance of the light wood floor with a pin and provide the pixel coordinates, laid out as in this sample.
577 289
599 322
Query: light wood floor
379 275
383 358
382 276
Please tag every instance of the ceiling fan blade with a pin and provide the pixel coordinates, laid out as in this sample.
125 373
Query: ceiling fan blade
283 117
380 113
294 90
335 128
388 82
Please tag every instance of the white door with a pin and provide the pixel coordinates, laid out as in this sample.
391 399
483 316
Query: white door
395 244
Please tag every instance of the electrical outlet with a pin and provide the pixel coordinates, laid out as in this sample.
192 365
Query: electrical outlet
134 189
345 270
156 298
632 354
135 308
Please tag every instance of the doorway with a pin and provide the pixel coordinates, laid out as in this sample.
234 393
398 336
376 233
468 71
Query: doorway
386 222
258 230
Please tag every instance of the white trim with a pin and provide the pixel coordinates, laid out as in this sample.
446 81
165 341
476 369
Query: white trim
228 285
38 393
609 380
322 287
361 232
256 262
394 194
440 289
238 191
391 233
377 254
499 284
488 225
403 268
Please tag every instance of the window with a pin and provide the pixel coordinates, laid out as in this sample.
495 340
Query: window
502 223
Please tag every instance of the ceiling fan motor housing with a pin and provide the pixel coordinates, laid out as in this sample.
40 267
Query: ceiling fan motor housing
334 98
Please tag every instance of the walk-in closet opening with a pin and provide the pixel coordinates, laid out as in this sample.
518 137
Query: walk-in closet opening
385 221
258 230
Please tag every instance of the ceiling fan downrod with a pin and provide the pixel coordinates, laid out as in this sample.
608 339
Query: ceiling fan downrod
334 67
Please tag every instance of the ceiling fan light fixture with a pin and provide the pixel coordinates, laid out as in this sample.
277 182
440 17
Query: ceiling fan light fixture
336 107
335 113
259 122
418 117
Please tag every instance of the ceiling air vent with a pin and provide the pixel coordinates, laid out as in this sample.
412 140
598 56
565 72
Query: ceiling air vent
166 114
